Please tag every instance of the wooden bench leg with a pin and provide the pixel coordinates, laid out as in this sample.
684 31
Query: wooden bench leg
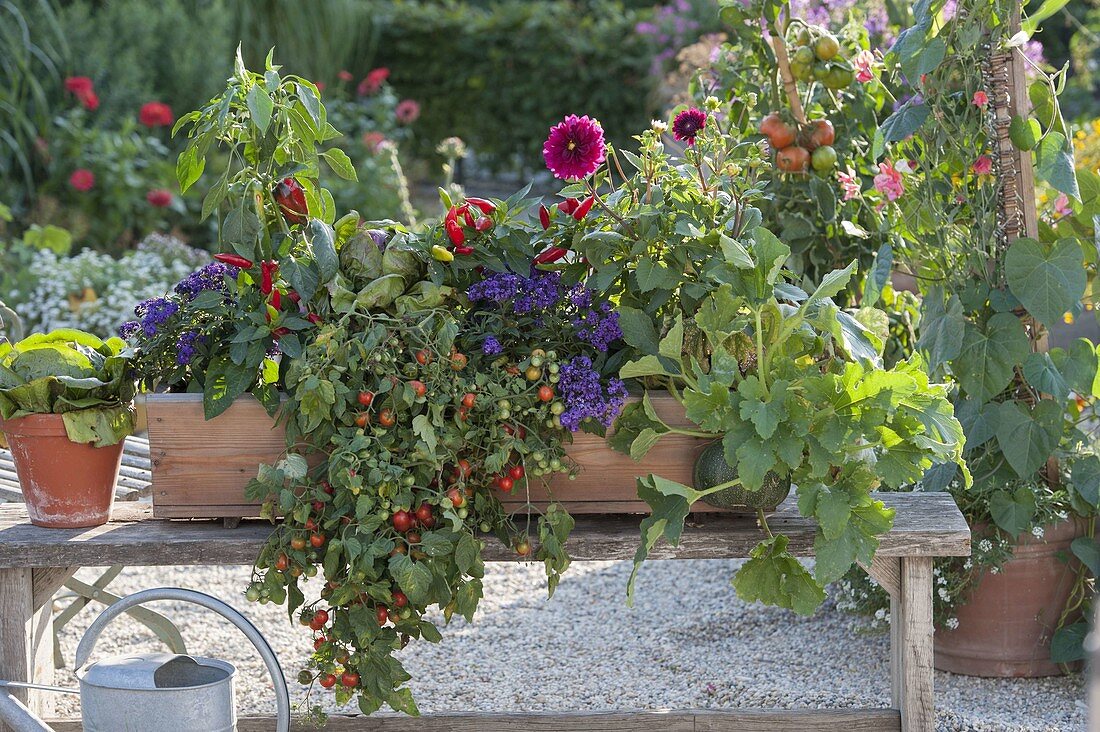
26 636
911 646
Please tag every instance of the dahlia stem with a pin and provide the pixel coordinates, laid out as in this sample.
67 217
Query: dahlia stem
611 213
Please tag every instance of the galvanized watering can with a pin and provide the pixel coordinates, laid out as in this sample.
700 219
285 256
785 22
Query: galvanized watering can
155 692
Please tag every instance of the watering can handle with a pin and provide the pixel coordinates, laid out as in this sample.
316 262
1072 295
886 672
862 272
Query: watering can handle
282 696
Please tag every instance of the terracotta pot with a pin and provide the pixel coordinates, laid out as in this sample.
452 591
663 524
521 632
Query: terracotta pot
1006 625
66 485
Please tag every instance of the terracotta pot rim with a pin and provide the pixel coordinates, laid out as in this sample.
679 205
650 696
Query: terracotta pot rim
37 425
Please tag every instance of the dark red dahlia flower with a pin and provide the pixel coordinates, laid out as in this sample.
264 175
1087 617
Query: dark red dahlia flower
575 148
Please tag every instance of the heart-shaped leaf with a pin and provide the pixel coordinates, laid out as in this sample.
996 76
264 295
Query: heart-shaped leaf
1048 280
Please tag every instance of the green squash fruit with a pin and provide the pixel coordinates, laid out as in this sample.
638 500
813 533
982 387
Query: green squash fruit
711 469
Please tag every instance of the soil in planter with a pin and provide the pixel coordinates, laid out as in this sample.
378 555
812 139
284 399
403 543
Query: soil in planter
66 485
1006 624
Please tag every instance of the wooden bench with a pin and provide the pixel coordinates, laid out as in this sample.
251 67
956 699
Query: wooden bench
34 562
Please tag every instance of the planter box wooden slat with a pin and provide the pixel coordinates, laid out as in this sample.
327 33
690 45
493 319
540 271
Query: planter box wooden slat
201 467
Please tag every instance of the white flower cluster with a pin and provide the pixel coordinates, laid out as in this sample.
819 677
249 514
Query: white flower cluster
96 292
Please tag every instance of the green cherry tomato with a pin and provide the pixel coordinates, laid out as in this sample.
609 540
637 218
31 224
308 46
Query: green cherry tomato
826 47
823 159
802 72
804 56
821 71
839 77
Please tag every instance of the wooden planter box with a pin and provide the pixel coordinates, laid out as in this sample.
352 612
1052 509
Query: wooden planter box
200 468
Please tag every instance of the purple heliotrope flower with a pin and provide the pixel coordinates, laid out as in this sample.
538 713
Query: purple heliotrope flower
575 148
210 277
154 313
129 329
187 346
491 346
585 396
688 124
599 327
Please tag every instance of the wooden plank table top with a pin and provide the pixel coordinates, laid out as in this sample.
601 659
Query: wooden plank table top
926 525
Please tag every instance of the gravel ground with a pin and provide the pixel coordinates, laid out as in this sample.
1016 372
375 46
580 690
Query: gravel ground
688 643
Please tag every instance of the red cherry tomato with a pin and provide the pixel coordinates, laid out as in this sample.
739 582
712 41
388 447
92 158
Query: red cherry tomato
349 679
505 483
282 562
516 471
317 540
327 680
382 614
423 357
546 393
366 397
418 387
318 642
362 419
399 599
469 399
465 469
298 543
402 521
424 512
458 499
386 418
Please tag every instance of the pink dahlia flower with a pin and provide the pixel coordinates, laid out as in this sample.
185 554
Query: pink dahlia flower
980 98
407 111
159 197
575 148
688 124
82 179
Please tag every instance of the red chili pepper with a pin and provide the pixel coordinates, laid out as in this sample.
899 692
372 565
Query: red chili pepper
280 332
276 299
464 250
294 296
552 254
544 217
291 198
314 318
452 216
467 216
568 206
268 272
234 260
486 207
582 210
484 223
455 233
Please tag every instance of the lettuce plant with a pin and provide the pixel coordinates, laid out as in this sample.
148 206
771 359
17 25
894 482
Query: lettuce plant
68 372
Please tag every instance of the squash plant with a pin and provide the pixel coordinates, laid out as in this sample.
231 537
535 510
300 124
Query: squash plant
793 387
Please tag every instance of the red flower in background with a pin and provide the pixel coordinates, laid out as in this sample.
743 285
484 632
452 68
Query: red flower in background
320 85
374 140
374 81
159 197
81 87
78 85
344 75
82 179
156 114
407 111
